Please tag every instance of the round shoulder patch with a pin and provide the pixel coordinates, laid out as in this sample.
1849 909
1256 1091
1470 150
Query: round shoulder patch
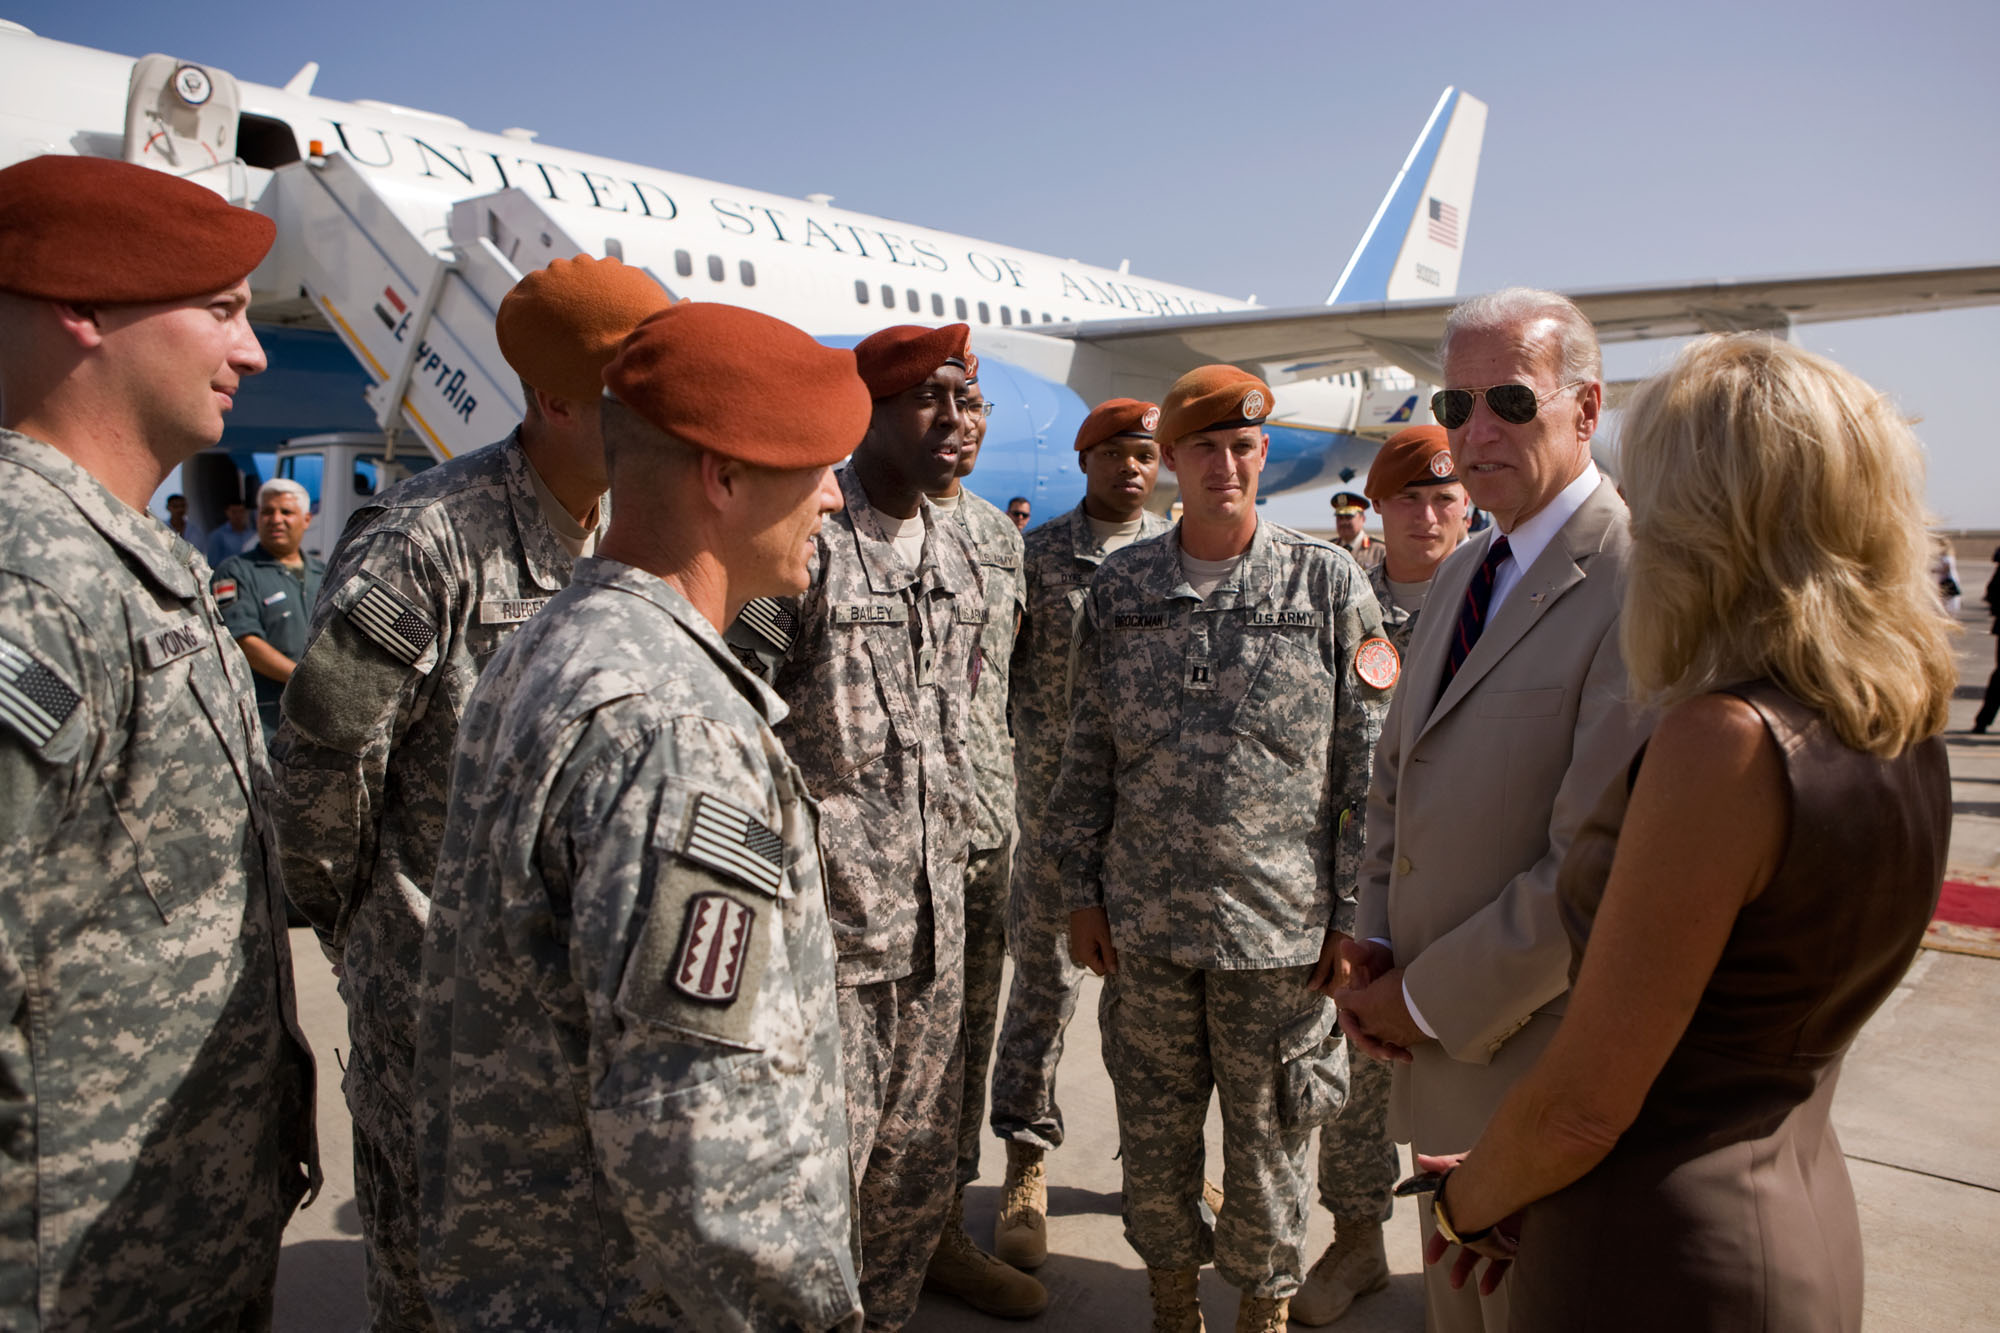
1377 663
1441 464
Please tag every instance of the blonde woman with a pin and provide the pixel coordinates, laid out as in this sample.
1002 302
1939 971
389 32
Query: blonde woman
1751 889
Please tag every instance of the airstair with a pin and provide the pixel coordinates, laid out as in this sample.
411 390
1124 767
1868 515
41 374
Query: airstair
411 297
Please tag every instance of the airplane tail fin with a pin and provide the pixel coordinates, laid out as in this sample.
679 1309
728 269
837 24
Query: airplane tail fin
1412 249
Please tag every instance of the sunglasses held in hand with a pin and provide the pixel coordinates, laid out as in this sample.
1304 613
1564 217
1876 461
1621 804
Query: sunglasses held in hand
1515 404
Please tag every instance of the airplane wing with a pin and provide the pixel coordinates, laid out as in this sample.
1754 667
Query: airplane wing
1307 342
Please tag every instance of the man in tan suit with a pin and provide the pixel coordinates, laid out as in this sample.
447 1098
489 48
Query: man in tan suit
1509 722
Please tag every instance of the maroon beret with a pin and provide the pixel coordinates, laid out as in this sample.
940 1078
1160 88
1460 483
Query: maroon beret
905 355
1117 416
743 385
1212 397
1419 456
560 326
88 230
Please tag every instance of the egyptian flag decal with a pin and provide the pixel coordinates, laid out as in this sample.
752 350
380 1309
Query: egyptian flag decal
715 939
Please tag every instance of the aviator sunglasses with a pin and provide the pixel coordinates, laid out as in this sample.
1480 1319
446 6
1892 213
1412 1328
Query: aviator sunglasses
1515 404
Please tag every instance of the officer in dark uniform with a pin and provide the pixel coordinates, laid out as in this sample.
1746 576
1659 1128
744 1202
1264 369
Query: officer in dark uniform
267 593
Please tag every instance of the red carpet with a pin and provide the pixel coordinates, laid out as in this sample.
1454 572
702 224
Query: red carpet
1967 920
1965 904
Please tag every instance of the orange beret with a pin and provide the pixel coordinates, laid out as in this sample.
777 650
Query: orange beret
1418 456
561 325
1117 416
89 230
742 385
1212 397
905 355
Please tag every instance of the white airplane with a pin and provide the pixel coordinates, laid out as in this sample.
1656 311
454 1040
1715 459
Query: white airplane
399 230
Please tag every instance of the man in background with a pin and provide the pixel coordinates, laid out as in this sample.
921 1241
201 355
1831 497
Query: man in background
959 1267
1120 462
1350 512
237 534
267 593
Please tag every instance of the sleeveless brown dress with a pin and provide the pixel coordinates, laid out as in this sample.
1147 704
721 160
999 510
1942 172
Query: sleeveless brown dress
1727 1206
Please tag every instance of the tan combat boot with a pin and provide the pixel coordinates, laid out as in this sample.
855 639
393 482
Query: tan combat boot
1176 1296
1021 1231
1354 1265
1261 1314
960 1268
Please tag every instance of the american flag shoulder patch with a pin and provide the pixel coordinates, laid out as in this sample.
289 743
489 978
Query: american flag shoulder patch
715 945
391 622
773 620
34 700
729 839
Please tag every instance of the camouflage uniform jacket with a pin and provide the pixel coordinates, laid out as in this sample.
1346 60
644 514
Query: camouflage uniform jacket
997 544
1398 623
155 1094
629 1099
878 662
1213 785
1061 557
426 584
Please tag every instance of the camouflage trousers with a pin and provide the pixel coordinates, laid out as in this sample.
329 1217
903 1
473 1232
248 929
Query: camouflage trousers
902 1051
1357 1158
1172 1036
379 987
986 884
1040 1003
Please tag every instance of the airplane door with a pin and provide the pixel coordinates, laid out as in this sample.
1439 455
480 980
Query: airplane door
180 117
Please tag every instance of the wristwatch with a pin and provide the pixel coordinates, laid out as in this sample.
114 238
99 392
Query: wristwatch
1443 1220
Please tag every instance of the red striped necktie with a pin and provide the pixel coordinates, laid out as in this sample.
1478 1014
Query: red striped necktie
1472 611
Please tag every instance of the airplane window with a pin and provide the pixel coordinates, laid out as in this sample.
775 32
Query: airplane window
1006 315
937 305
1026 318
984 316
959 305
1047 318
748 272
715 268
684 263
888 297
861 291
911 299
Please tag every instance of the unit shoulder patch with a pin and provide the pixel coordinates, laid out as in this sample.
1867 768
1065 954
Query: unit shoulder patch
1377 663
715 942
34 700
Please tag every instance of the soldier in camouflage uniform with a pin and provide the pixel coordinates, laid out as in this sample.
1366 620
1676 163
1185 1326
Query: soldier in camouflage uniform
1120 463
959 1267
877 661
628 1082
1227 689
426 584
1416 490
157 1103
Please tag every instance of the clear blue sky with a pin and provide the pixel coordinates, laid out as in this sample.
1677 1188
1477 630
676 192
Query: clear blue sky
1244 149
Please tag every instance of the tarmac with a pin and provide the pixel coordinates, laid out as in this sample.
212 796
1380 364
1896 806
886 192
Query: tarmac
1916 1113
